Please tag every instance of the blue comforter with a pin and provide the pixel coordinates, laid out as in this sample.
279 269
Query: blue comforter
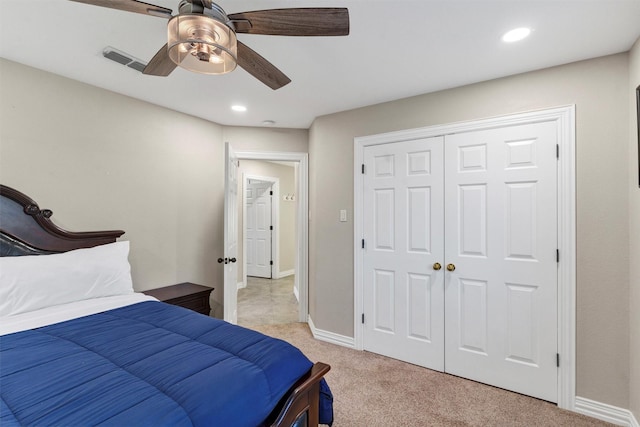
146 364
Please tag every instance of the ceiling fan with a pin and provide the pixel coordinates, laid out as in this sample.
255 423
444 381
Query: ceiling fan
202 37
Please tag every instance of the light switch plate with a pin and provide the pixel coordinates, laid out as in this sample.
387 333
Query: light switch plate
343 215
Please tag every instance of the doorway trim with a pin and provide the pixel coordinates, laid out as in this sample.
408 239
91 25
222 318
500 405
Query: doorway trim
275 219
301 279
566 223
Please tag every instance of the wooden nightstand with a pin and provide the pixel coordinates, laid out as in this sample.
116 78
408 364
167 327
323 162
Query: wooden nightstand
187 295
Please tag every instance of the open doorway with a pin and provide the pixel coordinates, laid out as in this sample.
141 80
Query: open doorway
267 226
294 272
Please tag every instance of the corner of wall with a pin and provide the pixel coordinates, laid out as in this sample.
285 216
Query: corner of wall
634 233
312 224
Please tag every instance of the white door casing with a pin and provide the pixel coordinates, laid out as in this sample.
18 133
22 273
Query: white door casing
564 120
259 228
230 235
403 238
501 299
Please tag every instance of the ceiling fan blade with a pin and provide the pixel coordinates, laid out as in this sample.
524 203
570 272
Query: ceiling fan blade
260 68
131 6
160 64
321 21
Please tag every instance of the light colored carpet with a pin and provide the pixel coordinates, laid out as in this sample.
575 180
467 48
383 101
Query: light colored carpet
372 390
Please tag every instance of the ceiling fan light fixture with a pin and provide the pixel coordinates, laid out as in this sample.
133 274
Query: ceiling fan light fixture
202 44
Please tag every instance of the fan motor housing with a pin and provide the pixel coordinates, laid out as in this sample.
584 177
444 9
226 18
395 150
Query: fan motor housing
203 8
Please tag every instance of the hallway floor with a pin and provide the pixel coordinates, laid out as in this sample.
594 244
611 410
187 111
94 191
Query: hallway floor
267 302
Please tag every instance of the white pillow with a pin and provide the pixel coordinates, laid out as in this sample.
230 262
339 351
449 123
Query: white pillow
32 282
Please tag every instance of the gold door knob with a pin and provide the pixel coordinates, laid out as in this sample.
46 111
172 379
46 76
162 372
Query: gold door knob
437 266
451 267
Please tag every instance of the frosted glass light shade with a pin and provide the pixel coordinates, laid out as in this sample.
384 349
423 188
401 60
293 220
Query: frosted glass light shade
202 44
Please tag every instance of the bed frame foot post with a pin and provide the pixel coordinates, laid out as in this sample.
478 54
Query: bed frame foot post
305 398
313 412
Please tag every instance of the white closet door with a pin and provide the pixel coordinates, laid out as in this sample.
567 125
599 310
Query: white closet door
403 231
501 235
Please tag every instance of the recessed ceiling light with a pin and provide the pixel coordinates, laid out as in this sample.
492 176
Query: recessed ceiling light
516 35
268 123
239 108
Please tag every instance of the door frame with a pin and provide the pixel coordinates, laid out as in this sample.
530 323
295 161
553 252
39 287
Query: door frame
301 279
566 223
275 219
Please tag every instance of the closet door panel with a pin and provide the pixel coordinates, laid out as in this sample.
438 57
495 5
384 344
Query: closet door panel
404 236
501 236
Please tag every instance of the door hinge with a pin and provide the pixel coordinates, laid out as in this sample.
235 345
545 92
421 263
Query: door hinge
363 168
271 193
270 262
271 227
362 243
557 255
363 318
558 360
557 151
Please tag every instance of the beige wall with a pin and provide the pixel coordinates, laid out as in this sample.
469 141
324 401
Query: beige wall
286 227
634 233
599 89
266 139
101 160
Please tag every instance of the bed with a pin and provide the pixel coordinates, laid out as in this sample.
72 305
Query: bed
79 347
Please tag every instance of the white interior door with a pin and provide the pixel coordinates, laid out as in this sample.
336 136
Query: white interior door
230 235
501 236
403 231
486 206
259 229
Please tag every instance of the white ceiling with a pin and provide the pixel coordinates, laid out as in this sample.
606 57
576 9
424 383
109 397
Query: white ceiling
396 49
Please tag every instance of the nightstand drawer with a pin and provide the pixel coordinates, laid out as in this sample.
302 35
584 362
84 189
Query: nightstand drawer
198 302
187 295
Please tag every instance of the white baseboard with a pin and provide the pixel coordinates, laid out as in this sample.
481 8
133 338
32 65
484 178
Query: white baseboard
285 273
605 412
241 285
331 337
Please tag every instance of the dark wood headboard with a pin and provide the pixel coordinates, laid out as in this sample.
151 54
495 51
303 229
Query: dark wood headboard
25 229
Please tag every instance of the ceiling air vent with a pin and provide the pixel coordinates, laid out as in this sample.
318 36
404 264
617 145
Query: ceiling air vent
123 58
